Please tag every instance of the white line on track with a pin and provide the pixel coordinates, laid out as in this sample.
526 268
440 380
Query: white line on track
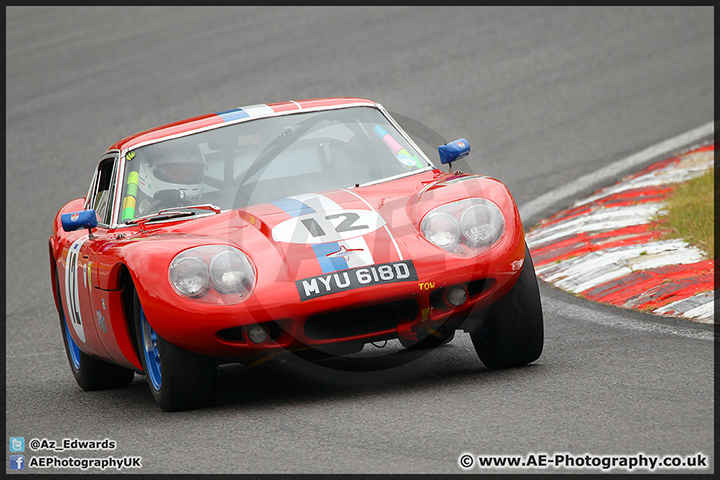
608 172
610 320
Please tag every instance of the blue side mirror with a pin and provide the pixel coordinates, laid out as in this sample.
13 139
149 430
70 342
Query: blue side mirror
454 150
73 221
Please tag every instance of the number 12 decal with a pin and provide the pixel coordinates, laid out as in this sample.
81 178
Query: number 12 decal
324 227
348 224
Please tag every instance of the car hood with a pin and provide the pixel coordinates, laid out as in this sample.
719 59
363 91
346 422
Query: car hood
320 233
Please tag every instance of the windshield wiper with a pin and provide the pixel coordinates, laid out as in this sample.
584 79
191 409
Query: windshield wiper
206 206
174 212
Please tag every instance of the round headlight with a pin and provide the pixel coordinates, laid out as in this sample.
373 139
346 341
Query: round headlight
218 274
231 272
482 223
441 229
189 276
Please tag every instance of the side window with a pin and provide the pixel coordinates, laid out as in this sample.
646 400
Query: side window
102 195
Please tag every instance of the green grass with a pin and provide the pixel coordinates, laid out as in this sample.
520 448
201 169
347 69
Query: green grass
690 213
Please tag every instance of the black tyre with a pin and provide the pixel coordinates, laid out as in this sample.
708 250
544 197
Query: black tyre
512 334
434 339
89 372
178 379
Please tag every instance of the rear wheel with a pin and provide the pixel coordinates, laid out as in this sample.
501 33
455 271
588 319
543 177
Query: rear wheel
513 332
178 379
90 373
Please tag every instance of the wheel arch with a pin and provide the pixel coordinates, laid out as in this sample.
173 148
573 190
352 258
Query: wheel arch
54 275
126 284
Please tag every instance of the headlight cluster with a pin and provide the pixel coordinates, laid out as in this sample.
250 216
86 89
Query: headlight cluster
213 274
465 227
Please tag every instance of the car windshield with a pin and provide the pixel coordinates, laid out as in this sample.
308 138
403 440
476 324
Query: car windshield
266 159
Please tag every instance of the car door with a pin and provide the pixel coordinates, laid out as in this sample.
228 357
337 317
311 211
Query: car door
77 278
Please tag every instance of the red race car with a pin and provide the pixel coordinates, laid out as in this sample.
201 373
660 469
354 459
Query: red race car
302 226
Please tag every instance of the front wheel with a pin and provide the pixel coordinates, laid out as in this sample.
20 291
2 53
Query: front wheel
512 334
178 379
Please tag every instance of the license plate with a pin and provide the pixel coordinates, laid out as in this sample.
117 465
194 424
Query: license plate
329 283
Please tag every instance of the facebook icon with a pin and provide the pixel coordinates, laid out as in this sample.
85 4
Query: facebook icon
17 462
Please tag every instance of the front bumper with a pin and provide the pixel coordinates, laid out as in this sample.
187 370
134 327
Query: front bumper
401 309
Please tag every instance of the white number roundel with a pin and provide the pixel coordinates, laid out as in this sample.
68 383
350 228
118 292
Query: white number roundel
72 296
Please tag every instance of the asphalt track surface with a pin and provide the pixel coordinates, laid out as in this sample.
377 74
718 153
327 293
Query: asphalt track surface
544 95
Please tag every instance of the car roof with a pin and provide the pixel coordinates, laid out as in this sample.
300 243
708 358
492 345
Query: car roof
209 120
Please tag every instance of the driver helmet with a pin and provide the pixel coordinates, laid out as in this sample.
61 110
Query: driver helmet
167 168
